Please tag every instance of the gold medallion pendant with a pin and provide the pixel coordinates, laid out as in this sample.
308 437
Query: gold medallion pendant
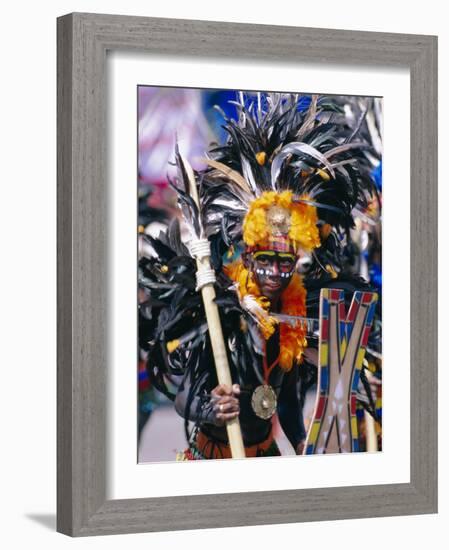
264 401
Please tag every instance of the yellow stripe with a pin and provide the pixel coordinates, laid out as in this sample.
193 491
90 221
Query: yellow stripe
343 346
314 432
264 253
283 255
323 354
286 255
360 357
354 427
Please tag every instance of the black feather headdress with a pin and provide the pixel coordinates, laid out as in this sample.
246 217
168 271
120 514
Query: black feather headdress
317 147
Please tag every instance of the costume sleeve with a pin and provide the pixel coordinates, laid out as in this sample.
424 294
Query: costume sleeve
193 404
290 409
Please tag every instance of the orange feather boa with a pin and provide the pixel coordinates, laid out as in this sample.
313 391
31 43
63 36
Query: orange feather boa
293 302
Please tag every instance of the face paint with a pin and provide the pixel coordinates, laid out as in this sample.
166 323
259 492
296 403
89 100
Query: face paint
273 271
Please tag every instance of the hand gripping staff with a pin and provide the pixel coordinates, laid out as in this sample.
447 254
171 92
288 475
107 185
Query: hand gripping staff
205 276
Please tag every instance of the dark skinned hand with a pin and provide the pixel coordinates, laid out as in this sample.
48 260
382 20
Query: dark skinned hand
225 403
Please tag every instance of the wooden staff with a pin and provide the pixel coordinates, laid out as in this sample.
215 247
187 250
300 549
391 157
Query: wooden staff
371 435
216 333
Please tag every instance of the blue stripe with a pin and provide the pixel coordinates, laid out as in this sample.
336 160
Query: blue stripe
371 311
325 308
324 382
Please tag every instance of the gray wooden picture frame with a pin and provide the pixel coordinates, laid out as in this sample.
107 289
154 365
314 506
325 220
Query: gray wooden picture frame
83 41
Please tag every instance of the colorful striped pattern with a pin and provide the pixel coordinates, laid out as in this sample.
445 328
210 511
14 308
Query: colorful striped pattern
342 345
278 243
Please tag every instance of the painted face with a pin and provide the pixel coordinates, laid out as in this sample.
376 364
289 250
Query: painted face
273 271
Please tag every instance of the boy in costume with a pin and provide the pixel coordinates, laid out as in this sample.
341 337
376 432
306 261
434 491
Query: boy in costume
280 191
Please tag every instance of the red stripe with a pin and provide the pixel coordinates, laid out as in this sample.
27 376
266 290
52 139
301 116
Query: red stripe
342 311
366 332
353 404
335 294
352 312
367 297
320 408
324 329
279 244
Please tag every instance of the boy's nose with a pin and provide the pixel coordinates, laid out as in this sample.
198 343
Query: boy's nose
275 268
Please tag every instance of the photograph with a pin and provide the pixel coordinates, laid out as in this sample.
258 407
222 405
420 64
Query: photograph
220 282
259 273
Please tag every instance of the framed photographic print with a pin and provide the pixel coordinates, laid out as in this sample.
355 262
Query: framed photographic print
288 233
247 270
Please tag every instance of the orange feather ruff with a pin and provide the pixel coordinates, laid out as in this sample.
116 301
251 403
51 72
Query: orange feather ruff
293 302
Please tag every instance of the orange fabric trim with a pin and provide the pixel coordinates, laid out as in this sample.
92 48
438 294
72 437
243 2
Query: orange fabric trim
215 449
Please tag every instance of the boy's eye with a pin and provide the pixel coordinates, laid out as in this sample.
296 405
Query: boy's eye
265 259
286 263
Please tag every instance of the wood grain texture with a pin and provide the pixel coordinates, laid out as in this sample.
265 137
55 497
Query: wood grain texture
64 277
424 276
83 40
